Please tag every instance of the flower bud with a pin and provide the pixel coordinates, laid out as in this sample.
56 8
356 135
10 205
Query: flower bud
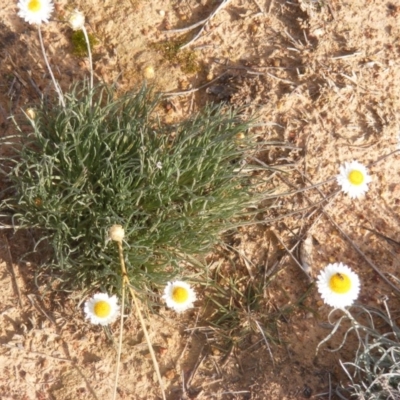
30 112
76 20
116 233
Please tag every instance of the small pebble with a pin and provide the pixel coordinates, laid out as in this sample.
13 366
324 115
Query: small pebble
148 72
170 374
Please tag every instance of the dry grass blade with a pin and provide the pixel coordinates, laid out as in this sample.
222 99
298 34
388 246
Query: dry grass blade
186 92
36 304
204 22
11 268
388 239
291 255
266 342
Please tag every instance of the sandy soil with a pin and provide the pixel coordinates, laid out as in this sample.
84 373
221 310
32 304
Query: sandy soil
324 79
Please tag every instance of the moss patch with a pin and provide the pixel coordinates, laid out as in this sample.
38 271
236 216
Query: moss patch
79 43
170 50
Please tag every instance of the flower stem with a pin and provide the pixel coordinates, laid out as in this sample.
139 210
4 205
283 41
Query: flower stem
56 85
125 281
121 327
90 56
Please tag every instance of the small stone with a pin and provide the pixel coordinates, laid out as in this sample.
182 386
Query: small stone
161 13
184 84
169 119
148 72
254 339
170 374
277 62
318 32
215 351
253 28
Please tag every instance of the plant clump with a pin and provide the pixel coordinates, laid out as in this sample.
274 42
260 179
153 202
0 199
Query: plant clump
374 374
102 161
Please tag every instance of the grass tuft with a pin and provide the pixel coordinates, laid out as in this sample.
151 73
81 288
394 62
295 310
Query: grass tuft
102 160
375 372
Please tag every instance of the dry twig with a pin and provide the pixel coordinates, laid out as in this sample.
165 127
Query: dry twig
186 92
266 342
11 268
204 22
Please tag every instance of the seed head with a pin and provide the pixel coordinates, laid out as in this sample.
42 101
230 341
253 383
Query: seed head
116 233
76 20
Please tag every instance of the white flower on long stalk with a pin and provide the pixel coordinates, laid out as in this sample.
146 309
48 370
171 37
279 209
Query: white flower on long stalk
338 285
101 309
179 296
35 11
354 179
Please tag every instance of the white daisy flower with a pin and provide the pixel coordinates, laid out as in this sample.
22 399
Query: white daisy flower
338 285
76 20
102 309
35 11
354 179
179 296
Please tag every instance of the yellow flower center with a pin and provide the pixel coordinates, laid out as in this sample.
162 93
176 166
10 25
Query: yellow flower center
102 309
34 5
340 283
180 295
356 177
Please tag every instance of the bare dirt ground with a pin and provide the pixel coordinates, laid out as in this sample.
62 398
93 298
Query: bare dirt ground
323 77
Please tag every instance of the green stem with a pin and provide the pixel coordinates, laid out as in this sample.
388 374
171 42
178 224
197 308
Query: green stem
90 56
